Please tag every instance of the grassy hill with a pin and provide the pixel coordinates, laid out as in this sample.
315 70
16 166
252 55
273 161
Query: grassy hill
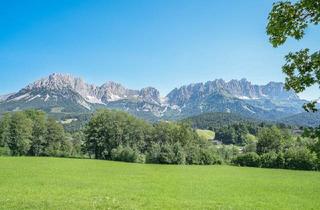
206 134
53 183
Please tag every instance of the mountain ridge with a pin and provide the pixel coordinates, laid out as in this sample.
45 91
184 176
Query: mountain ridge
66 93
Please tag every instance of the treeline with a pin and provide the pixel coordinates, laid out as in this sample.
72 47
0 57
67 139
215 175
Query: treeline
215 120
238 133
115 135
32 133
276 148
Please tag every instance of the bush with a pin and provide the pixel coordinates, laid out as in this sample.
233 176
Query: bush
251 159
271 160
227 152
166 155
141 158
193 155
153 153
209 156
300 158
251 147
180 155
126 154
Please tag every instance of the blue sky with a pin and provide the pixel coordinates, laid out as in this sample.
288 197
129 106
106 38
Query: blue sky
160 43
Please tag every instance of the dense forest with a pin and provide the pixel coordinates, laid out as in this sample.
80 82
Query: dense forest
115 135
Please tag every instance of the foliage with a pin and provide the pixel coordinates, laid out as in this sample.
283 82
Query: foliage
251 159
39 132
20 134
272 160
278 149
288 19
31 133
240 133
215 120
300 158
126 154
109 129
269 139
250 147
227 135
228 152
4 151
116 135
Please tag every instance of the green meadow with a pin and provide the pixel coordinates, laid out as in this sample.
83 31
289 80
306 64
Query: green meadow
58 183
206 134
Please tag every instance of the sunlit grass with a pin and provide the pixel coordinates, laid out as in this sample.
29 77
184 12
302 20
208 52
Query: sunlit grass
206 134
53 183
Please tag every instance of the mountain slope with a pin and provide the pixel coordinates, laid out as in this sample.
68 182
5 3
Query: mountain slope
303 119
269 101
67 94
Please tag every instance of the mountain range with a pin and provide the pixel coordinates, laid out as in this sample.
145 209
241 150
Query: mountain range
65 94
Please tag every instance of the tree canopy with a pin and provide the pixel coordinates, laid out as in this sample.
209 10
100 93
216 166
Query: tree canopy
290 19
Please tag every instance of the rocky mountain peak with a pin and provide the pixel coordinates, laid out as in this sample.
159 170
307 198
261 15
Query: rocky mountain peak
150 94
58 81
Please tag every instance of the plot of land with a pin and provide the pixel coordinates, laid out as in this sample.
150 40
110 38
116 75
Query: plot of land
53 183
206 134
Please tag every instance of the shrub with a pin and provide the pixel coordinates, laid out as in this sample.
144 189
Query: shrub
227 152
180 155
166 155
153 153
300 158
251 147
269 160
193 155
251 159
126 154
209 156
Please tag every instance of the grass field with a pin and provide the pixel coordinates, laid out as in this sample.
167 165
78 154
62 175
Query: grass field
53 183
206 134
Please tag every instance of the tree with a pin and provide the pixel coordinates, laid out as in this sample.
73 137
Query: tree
166 156
108 130
77 140
20 134
39 130
153 153
55 138
269 140
227 135
5 130
288 19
